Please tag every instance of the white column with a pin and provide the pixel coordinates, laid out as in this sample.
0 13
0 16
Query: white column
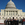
5 13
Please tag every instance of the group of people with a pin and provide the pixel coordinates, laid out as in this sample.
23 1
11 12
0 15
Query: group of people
12 21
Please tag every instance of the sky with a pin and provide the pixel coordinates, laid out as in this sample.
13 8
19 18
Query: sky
20 4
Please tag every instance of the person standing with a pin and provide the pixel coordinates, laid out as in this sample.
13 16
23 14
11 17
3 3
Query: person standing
17 21
5 22
8 21
13 21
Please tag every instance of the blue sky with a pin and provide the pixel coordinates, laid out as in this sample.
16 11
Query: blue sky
20 4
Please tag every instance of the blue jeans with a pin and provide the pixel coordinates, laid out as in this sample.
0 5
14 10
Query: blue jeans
23 22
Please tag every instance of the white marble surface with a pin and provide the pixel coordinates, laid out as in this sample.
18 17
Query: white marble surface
1 21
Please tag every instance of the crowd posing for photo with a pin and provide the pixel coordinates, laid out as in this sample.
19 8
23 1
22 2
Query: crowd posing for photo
13 21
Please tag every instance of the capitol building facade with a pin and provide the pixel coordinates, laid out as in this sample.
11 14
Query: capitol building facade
11 11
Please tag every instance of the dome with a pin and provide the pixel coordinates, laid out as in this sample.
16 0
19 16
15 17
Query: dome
10 5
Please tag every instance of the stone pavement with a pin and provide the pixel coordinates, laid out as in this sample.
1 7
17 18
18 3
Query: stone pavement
3 24
18 24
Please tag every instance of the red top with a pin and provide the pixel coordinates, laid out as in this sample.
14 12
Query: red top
23 20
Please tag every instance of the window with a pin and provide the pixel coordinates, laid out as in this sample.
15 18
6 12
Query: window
9 13
3 17
18 15
13 12
2 13
9 17
16 12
